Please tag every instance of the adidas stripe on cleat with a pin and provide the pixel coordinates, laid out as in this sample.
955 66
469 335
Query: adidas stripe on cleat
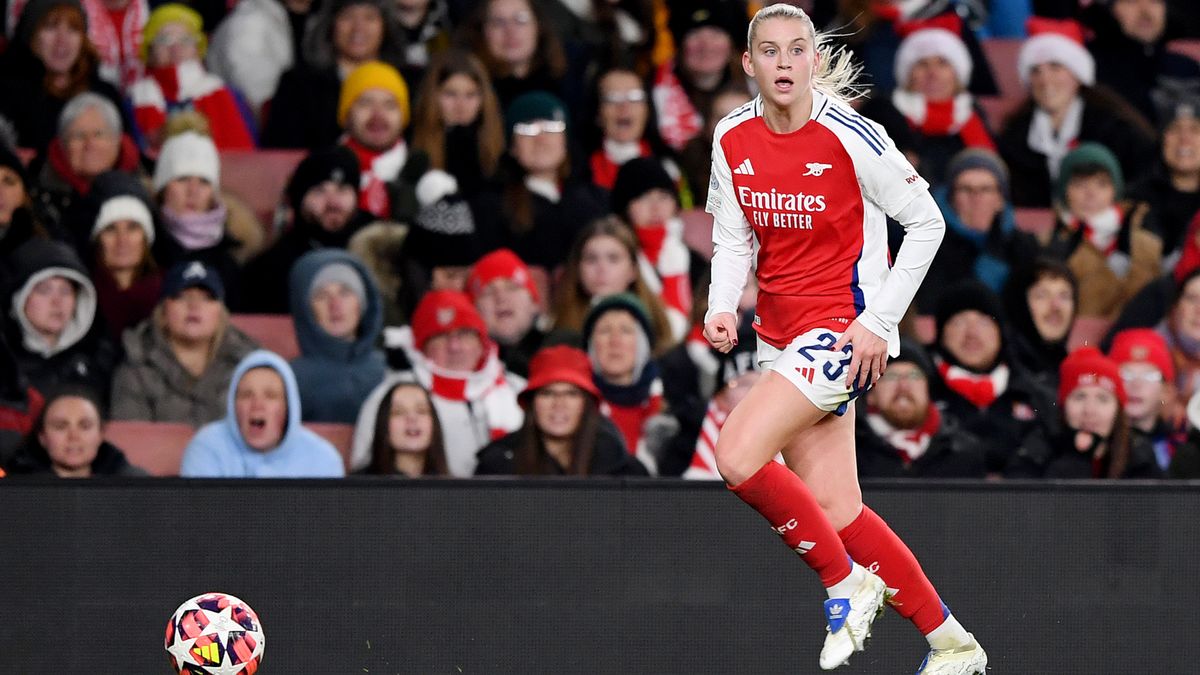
849 621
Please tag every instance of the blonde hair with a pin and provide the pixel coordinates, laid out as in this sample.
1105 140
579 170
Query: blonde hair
837 73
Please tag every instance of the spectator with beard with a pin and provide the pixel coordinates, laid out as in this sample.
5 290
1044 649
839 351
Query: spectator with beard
976 383
322 197
1091 437
1041 303
903 434
1149 379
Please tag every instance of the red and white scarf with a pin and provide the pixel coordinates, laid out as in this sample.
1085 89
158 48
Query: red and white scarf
663 264
981 389
630 420
910 444
678 120
164 89
606 161
1101 230
955 117
704 459
378 168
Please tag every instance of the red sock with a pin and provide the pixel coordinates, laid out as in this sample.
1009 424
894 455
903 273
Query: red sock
872 544
788 505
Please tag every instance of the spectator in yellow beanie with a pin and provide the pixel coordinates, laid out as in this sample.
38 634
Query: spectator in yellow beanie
373 112
173 45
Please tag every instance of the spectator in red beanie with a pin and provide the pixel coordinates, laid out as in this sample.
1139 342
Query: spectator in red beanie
447 350
1149 378
564 432
1091 437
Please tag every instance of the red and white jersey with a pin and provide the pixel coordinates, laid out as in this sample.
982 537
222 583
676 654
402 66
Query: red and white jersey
815 201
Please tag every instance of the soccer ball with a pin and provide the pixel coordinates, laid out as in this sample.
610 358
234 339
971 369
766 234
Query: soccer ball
215 634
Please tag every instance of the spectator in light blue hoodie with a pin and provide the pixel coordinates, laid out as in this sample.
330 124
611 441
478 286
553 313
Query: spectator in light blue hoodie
261 435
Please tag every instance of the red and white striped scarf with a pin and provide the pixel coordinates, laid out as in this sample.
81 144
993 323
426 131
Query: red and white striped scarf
664 264
604 164
378 168
956 117
910 444
678 120
162 89
704 460
981 389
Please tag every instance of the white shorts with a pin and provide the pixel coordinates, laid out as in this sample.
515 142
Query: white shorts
816 370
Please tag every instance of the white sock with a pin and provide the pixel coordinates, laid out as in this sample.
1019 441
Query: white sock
949 635
845 587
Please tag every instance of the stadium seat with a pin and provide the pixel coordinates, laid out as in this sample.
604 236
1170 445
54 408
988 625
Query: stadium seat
925 328
1038 222
541 280
996 110
1089 331
1001 54
1188 47
26 155
259 177
275 332
697 231
156 447
340 435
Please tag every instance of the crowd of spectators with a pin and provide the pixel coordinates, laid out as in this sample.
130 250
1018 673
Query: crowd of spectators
484 252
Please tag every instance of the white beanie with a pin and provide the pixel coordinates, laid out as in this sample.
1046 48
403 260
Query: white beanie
187 154
124 207
1060 49
929 42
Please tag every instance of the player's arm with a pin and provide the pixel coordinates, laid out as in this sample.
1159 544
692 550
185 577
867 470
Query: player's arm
924 227
733 253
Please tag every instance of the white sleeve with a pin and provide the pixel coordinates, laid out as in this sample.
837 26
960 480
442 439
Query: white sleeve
923 229
733 248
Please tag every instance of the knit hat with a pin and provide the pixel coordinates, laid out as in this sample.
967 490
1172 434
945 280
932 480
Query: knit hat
500 264
535 105
10 160
619 301
1144 345
637 177
1058 42
1175 99
335 164
372 75
688 15
441 312
339 273
184 155
443 235
1089 154
930 42
560 363
192 274
912 352
1087 366
964 295
118 195
173 13
978 158
38 9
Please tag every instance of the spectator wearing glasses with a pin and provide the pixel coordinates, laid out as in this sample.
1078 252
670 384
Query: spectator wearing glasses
1149 378
626 130
518 47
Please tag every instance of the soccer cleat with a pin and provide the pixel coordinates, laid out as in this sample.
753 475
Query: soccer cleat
966 660
850 621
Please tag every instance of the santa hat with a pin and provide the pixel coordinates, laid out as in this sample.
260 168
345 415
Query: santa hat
560 363
441 312
187 154
1058 42
1087 366
1143 345
929 42
500 264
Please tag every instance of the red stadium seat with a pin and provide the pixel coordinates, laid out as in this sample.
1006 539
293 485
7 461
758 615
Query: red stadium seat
259 177
925 328
26 155
275 332
1188 47
340 435
1035 221
1087 330
697 231
541 280
156 447
1001 54
996 110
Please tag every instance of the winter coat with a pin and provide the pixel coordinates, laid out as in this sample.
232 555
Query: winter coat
252 48
122 309
32 459
1045 454
380 245
60 200
1102 292
1170 210
555 225
19 404
1134 69
152 385
334 376
82 354
952 453
934 152
243 238
609 457
303 113
219 451
1030 177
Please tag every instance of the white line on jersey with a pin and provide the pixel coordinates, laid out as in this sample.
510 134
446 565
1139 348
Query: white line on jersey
745 168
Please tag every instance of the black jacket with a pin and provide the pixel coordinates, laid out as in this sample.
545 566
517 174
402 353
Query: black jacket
952 453
32 459
303 112
555 225
1051 454
609 457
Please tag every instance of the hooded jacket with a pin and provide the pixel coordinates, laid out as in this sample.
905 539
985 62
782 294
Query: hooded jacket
82 355
334 376
32 459
219 450
152 385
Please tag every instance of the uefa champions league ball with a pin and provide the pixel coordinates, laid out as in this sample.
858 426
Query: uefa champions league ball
215 634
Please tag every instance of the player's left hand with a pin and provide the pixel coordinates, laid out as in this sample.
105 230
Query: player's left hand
868 355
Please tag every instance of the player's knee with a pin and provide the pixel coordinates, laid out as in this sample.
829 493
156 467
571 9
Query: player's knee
841 506
733 462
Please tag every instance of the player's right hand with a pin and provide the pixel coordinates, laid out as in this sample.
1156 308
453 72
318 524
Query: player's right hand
721 332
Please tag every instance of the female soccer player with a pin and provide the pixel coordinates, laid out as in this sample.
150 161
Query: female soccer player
811 180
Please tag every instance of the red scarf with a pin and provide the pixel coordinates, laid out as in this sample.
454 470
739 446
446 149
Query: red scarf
909 444
956 116
678 120
604 169
981 389
372 194
127 160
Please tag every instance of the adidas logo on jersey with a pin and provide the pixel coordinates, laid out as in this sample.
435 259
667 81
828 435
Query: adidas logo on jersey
745 168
